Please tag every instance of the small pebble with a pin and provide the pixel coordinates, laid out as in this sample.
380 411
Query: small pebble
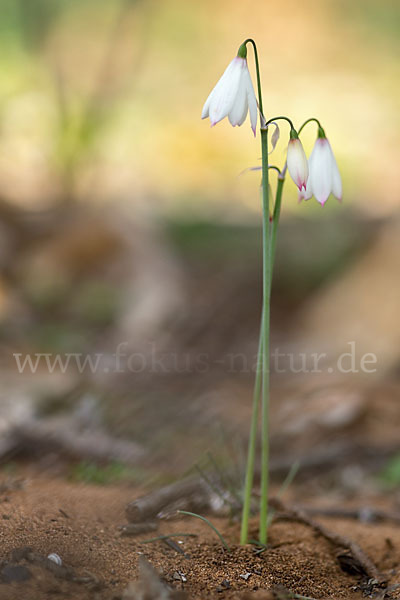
55 558
245 576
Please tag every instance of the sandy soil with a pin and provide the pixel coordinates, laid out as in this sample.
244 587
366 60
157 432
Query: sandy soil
81 524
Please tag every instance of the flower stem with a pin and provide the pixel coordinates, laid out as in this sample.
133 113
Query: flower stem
265 344
279 119
261 384
262 374
275 223
251 452
310 120
260 103
257 386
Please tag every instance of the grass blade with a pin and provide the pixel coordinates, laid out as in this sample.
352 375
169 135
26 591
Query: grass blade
190 514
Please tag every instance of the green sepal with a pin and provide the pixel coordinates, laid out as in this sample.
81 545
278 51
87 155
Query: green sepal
293 134
242 52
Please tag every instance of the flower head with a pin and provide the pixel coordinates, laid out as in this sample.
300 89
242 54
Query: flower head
233 96
324 176
297 161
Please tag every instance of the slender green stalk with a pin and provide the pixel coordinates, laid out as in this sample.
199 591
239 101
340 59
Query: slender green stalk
251 452
248 486
191 514
265 344
275 222
260 102
280 118
261 386
310 120
260 360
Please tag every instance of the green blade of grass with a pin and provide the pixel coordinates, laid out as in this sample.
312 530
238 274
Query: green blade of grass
190 514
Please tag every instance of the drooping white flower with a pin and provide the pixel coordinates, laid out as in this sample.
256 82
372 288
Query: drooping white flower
324 177
297 161
233 96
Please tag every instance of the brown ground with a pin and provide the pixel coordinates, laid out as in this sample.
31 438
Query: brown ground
80 523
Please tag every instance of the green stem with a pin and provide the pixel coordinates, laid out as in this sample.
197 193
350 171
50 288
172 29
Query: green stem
273 167
275 221
248 487
310 120
279 119
265 344
260 103
262 373
259 372
251 452
269 244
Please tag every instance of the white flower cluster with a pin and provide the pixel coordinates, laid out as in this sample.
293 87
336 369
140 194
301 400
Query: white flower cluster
233 97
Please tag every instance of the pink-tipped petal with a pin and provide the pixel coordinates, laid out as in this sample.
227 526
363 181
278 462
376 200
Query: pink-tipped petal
297 163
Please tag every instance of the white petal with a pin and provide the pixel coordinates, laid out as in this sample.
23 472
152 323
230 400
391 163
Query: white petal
320 180
336 179
297 163
307 193
225 75
240 107
275 137
206 107
225 92
251 98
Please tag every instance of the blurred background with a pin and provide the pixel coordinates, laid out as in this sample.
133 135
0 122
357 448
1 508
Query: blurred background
129 235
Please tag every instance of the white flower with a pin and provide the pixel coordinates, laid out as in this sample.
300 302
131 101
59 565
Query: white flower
297 162
233 96
324 176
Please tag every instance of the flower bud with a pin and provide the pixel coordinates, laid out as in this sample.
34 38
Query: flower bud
297 161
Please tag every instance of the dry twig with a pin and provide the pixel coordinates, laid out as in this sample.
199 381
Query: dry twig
358 555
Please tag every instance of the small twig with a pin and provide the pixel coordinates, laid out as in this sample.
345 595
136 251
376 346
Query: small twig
365 514
175 547
64 436
213 488
190 514
186 494
132 529
338 540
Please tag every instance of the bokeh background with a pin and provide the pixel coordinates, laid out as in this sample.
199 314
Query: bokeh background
125 219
